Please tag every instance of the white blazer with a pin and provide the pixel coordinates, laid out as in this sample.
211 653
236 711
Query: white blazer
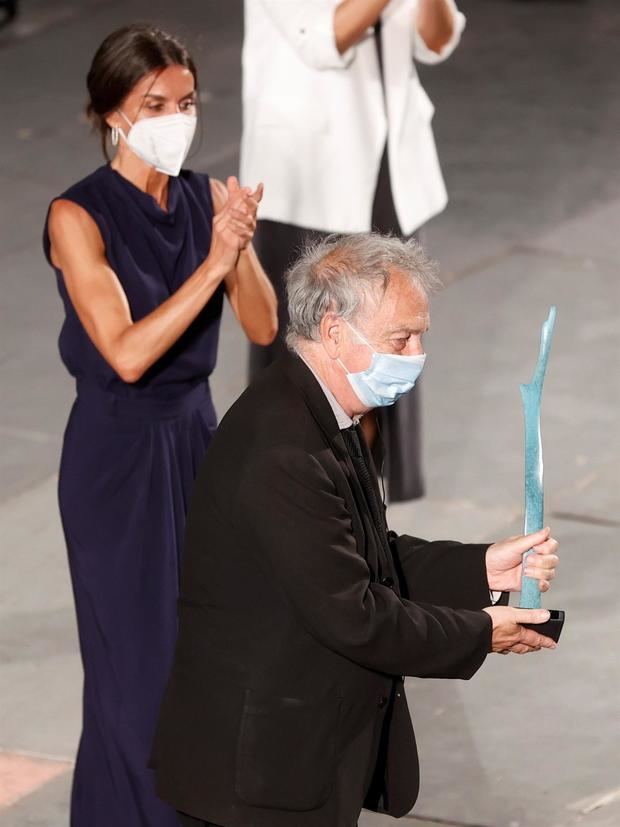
315 122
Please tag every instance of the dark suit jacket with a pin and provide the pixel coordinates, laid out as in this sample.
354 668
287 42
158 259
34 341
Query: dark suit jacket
285 705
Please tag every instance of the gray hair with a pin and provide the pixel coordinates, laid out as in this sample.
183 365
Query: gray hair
340 273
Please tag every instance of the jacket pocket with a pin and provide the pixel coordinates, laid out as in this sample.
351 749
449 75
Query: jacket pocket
286 751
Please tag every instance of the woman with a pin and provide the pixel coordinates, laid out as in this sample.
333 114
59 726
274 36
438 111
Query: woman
144 255
336 120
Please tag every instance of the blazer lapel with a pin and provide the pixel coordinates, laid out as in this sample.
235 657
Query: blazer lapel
298 372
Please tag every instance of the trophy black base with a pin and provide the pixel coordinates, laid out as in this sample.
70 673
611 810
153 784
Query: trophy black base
552 628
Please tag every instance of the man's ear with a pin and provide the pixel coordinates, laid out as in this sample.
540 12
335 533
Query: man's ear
331 334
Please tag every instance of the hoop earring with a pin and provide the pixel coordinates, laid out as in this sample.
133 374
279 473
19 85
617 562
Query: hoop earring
114 135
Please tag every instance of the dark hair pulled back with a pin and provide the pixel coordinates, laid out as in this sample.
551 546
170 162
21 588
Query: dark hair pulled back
122 60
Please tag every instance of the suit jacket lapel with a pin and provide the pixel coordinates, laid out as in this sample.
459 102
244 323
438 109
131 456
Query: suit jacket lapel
321 411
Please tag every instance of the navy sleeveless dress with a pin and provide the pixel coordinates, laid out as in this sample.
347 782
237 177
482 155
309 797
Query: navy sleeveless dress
129 458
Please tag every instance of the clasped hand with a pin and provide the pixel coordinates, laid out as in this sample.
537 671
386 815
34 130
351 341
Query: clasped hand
235 223
504 562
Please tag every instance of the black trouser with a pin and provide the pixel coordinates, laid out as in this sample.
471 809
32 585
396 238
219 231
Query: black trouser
10 7
190 821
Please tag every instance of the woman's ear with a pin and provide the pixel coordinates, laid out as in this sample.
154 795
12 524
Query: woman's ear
113 120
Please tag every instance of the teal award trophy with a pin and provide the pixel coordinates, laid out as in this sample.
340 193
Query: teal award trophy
531 395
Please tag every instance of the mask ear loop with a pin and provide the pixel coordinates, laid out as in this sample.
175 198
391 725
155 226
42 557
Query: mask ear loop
118 131
197 144
359 335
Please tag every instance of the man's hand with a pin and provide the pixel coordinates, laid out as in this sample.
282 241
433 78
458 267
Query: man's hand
510 636
504 560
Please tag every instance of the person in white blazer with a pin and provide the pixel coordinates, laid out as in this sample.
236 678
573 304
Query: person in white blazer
338 126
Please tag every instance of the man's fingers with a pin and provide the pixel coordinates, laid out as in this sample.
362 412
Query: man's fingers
509 631
523 649
528 541
549 547
542 559
539 572
530 637
539 540
542 564
531 615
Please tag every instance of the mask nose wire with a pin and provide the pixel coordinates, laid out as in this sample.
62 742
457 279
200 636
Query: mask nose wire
130 123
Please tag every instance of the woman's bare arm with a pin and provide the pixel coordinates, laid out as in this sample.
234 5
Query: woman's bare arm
435 23
352 18
129 346
249 290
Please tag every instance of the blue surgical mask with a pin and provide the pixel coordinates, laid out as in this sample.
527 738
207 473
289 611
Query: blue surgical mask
389 376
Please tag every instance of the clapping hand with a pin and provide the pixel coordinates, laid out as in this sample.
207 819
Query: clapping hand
234 225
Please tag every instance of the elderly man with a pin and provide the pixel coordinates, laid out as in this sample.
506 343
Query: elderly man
300 612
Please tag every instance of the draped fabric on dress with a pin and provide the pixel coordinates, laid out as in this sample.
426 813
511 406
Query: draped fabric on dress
129 458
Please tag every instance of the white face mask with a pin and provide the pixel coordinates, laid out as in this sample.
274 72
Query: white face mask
163 142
